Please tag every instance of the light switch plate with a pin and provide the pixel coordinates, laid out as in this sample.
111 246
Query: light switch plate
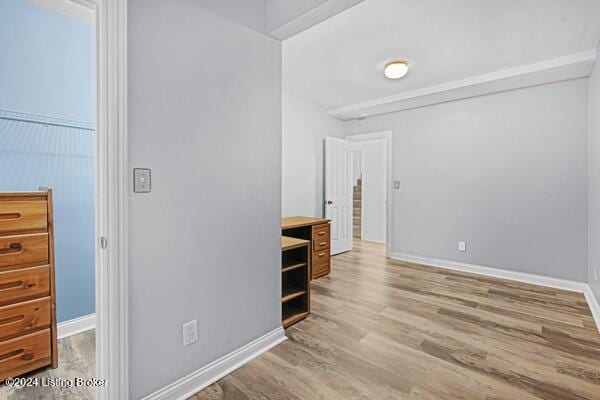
462 246
142 180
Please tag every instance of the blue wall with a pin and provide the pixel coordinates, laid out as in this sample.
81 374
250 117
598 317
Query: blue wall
47 69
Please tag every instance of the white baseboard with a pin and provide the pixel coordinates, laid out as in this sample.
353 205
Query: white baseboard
564 284
76 325
592 301
205 376
540 280
364 239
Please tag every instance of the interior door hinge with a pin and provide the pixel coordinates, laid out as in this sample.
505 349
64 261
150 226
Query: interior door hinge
103 242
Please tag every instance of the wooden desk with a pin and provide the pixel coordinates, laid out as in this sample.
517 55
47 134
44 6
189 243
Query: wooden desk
295 280
315 230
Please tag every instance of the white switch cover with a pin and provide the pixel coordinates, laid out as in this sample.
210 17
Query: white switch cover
142 180
462 246
596 273
190 332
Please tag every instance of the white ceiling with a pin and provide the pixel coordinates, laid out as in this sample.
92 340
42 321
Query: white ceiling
339 62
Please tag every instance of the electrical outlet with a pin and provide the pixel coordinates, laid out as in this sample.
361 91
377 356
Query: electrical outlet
462 246
190 332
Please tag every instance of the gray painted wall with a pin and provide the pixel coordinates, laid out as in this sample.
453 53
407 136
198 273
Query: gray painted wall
205 244
305 125
594 179
505 172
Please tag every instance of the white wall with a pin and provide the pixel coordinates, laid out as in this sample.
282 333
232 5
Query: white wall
594 179
205 244
505 172
374 185
305 125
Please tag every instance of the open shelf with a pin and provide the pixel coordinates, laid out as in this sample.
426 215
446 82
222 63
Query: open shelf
291 293
294 311
294 265
295 280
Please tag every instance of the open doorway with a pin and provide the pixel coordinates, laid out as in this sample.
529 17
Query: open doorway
371 187
48 141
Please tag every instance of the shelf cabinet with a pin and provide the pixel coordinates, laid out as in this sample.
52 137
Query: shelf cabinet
295 280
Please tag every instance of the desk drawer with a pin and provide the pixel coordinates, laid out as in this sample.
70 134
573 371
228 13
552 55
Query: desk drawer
23 250
321 237
24 354
23 216
321 263
24 284
21 318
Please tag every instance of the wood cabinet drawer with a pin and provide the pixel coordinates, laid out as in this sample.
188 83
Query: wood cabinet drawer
320 268
23 216
24 284
25 353
22 318
320 236
23 250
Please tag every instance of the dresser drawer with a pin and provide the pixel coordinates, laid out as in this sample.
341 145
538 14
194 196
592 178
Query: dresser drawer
23 216
24 284
25 353
320 236
23 250
320 265
22 318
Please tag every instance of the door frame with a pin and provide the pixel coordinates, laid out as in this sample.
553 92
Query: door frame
387 135
111 197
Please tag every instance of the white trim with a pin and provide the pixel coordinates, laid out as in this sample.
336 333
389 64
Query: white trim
111 204
533 279
205 376
76 325
390 182
572 66
592 301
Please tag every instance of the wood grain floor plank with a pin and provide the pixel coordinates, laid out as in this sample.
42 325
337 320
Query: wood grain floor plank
383 329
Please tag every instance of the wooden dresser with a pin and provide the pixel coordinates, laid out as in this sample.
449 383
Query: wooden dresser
27 288
315 230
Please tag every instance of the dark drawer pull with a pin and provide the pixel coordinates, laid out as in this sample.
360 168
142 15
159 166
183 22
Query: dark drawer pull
11 249
12 354
10 216
12 285
12 320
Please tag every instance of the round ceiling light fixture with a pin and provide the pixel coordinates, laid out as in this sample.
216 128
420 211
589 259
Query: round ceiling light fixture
396 69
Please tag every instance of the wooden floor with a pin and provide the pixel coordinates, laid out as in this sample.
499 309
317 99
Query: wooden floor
393 330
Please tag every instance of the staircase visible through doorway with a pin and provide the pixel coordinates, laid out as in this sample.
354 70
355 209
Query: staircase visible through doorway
356 208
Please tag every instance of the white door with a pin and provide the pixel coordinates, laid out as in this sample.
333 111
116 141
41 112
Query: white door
338 192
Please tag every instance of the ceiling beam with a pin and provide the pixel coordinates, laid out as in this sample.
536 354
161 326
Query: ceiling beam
573 66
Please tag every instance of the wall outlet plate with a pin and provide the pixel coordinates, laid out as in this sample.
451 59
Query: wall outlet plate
462 246
190 332
396 185
142 180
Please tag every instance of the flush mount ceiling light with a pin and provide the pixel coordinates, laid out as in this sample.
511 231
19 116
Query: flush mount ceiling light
396 69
